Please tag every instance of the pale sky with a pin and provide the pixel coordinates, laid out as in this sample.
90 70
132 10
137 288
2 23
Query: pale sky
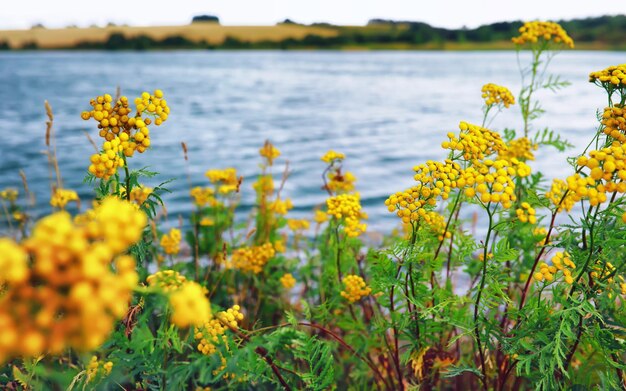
17 14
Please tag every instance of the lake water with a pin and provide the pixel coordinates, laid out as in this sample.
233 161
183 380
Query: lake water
388 111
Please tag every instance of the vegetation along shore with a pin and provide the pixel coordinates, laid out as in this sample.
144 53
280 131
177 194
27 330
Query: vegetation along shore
597 33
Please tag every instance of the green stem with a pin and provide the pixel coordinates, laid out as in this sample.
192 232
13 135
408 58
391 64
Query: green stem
478 297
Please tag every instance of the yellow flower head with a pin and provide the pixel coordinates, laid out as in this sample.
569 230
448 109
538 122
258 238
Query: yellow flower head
166 280
269 152
348 208
474 142
190 306
171 241
544 32
354 288
61 197
212 332
495 95
203 196
227 176
320 216
84 281
287 281
332 156
521 149
298 224
338 182
526 213
253 259
281 207
611 78
9 194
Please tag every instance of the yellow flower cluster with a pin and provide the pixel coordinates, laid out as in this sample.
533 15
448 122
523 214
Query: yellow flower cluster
341 183
117 118
166 280
354 288
253 259
332 156
190 306
105 164
556 192
124 131
614 123
264 185
288 281
533 32
171 241
526 213
140 194
9 194
348 208
298 224
560 261
521 149
227 175
269 152
435 179
61 197
97 368
436 224
474 142
491 181
60 290
213 331
540 234
494 94
606 166
281 207
611 77
320 216
203 196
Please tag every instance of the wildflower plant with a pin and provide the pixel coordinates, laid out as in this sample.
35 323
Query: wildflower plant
527 293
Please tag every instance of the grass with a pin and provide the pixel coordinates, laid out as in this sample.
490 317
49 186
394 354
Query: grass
209 32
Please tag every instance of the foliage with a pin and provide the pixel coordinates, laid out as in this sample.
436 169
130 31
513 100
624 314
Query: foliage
531 300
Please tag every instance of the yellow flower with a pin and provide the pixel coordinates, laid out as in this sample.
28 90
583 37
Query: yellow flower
610 78
354 288
347 207
212 332
288 281
166 280
533 32
190 307
332 156
495 95
280 207
207 222
171 241
298 224
320 216
270 152
203 196
253 259
9 194
521 148
227 176
474 142
556 195
339 182
526 213
84 281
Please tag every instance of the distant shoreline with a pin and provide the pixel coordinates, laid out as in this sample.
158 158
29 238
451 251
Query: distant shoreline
607 33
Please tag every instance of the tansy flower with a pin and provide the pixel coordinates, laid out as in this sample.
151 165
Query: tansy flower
171 241
269 152
288 281
354 288
495 95
190 307
332 156
533 32
347 207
